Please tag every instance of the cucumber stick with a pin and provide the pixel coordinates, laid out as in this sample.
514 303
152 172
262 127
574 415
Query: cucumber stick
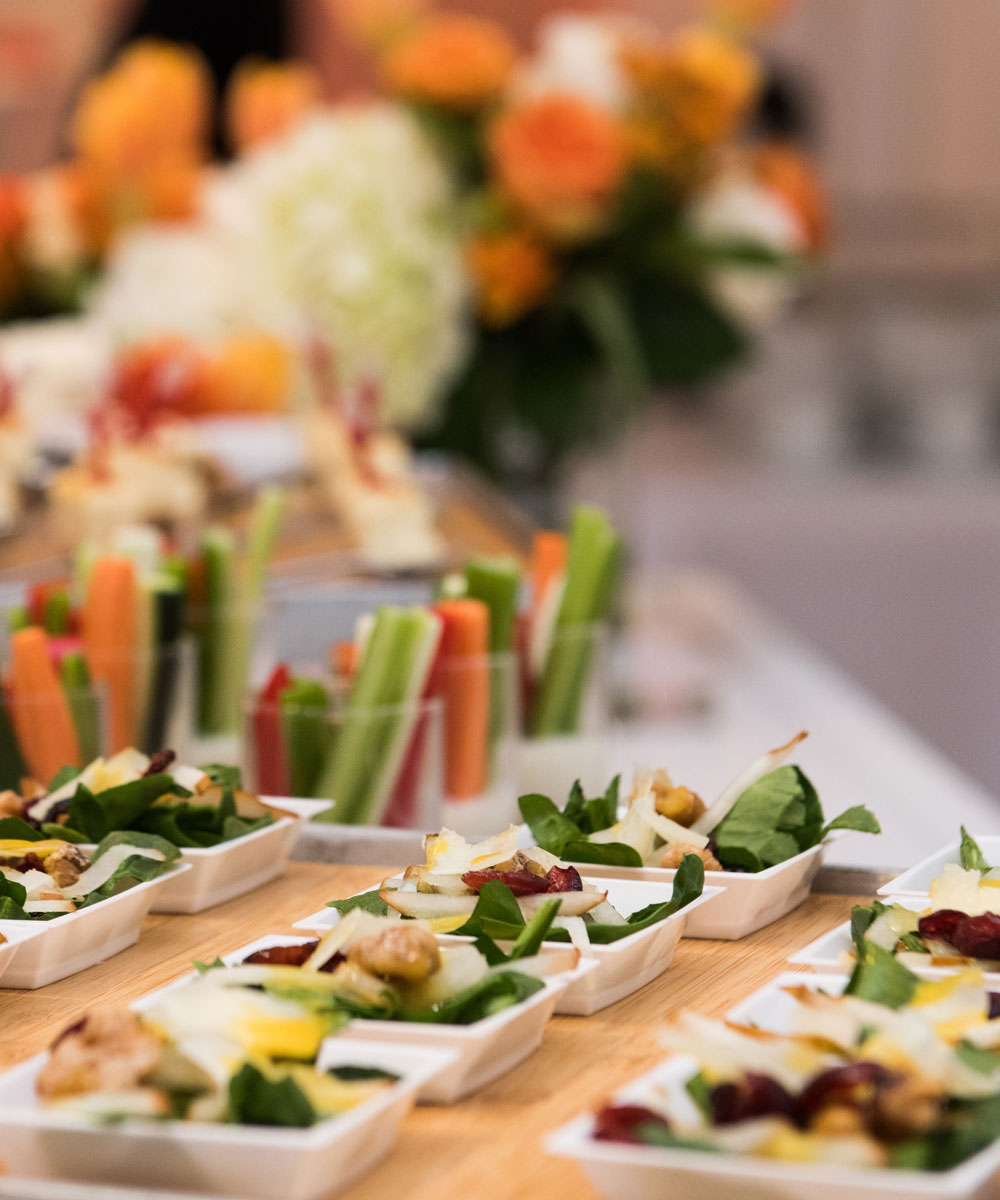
84 705
592 568
215 633
377 724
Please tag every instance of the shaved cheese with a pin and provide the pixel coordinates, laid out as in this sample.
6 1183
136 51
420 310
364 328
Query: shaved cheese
744 781
49 906
963 891
448 853
33 882
187 777
542 858
353 925
670 831
99 872
434 881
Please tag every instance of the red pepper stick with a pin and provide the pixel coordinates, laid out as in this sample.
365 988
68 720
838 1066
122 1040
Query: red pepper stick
271 762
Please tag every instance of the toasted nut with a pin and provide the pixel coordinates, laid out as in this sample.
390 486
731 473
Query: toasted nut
673 854
907 1108
66 864
108 1052
404 953
11 804
837 1120
678 804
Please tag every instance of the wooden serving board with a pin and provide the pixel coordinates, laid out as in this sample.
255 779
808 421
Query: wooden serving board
490 1144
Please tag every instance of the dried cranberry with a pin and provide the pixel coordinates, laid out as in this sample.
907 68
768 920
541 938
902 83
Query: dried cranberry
994 1000
842 1085
160 761
978 937
76 1027
521 883
940 925
282 956
754 1095
622 1122
564 879
30 862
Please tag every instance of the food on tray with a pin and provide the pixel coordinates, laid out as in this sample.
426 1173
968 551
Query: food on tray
765 816
205 1052
186 806
43 877
384 969
895 1073
960 925
493 887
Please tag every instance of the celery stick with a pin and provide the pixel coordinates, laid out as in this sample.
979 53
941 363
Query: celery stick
214 633
497 583
373 734
591 573
145 665
18 618
56 616
169 600
306 733
83 705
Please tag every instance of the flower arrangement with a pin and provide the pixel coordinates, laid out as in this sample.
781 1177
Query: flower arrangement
621 230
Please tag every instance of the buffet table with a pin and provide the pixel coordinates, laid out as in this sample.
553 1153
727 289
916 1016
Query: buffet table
489 1144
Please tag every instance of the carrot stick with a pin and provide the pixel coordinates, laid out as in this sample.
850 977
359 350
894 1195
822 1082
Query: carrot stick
465 681
110 632
40 709
548 564
344 660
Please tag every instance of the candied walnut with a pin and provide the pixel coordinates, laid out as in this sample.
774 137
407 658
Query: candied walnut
678 804
673 855
405 953
838 1120
906 1108
66 864
11 804
31 789
106 1052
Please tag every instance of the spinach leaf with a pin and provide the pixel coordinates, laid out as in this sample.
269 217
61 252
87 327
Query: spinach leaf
527 942
489 995
223 776
369 901
775 819
979 1058
972 857
551 829
862 918
256 1100
651 1134
115 808
608 854
132 837
858 818
63 776
50 829
880 978
589 816
204 967
351 1074
914 943
12 898
697 1088
496 914
17 829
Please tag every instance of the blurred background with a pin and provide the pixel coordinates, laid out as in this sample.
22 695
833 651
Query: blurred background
846 472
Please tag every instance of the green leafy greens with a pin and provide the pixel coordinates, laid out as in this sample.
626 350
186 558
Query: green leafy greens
971 856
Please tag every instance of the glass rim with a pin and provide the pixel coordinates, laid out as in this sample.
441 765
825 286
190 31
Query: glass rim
423 705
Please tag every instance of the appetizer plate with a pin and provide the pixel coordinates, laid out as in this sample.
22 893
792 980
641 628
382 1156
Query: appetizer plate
746 902
770 1006
220 873
480 1052
15 933
623 966
71 943
918 879
626 1172
229 1160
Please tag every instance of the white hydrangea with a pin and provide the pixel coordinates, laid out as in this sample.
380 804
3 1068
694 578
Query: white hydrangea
349 219
580 55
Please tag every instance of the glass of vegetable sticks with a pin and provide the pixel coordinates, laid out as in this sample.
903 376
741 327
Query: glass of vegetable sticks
380 764
43 731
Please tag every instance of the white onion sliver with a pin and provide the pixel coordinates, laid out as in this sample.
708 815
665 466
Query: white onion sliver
746 779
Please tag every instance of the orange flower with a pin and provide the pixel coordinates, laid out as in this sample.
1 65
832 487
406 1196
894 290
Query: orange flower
512 273
790 174
13 207
561 160
456 61
747 14
266 99
375 23
693 93
251 373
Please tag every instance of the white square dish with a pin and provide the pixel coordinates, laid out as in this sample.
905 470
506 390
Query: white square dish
623 966
626 1172
481 1051
918 879
16 933
230 1160
223 872
770 1006
746 902
68 944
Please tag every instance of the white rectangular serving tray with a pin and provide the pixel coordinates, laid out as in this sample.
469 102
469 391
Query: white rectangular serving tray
623 966
770 1006
227 1160
746 902
231 869
625 1172
80 939
918 879
16 933
481 1052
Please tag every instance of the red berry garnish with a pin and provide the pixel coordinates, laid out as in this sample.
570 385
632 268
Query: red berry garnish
754 1095
940 925
978 937
564 879
521 883
624 1122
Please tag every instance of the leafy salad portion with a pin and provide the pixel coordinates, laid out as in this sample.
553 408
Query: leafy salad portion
205 1052
189 806
493 888
768 814
384 969
896 1072
43 877
962 923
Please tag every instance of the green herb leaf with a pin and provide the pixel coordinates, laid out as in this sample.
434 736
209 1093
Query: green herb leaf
879 977
489 995
972 858
858 818
914 943
352 1074
370 902
62 777
550 828
775 819
223 776
862 918
979 1058
17 829
52 830
697 1088
256 1100
606 854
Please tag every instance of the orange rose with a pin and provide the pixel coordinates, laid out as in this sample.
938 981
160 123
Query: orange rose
375 23
790 175
456 61
747 14
692 93
561 160
251 373
266 99
512 273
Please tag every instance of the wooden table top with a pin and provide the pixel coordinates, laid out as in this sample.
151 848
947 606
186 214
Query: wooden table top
491 1143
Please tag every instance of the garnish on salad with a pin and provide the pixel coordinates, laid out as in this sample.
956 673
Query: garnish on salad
493 887
385 969
768 814
910 1080
188 806
961 925
204 1052
43 877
